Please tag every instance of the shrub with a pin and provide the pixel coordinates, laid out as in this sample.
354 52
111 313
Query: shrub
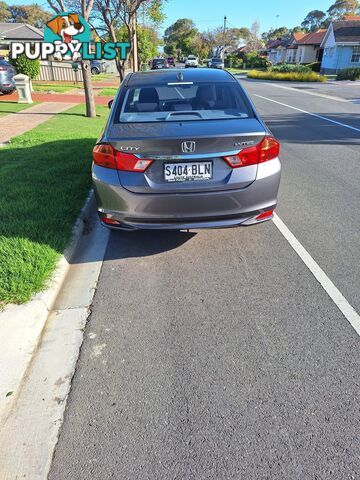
290 68
25 66
315 66
349 74
287 76
255 60
233 61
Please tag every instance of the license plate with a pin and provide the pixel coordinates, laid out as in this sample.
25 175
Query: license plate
189 171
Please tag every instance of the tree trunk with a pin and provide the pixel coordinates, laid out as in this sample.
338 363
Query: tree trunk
120 64
134 44
89 94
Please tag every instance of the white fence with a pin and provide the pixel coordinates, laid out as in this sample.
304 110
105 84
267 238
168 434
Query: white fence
59 71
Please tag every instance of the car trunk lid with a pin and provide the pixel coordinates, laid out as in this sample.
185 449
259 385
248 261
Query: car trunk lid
170 143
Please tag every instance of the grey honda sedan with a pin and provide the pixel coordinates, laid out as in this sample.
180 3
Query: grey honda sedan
184 149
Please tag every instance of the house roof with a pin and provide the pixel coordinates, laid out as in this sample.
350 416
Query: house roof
346 30
275 43
313 38
20 31
298 36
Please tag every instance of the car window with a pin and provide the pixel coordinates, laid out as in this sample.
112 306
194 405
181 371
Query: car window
184 102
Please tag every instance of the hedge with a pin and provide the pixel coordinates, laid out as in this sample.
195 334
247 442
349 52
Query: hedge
25 66
290 68
349 74
290 77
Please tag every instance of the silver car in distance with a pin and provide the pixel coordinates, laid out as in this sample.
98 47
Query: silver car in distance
184 149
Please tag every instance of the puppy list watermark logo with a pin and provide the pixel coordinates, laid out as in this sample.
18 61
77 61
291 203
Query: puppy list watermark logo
68 37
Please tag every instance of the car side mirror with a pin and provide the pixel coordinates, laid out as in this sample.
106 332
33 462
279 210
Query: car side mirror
110 103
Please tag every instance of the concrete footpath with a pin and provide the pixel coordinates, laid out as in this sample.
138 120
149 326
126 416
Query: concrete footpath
18 123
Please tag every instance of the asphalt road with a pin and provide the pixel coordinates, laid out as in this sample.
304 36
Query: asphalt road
217 354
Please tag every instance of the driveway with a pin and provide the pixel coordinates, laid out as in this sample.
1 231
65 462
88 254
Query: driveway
218 354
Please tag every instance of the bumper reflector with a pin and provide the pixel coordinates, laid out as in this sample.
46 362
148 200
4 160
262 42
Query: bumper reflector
110 221
265 215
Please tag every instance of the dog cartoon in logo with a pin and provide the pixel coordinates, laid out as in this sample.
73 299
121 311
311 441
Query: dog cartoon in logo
66 27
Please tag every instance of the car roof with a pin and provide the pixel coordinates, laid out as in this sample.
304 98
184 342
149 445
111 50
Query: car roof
197 75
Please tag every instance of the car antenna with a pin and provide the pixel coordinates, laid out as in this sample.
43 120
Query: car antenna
180 76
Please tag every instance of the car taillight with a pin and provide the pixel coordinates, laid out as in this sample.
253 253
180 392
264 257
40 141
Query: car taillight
3 69
267 149
106 156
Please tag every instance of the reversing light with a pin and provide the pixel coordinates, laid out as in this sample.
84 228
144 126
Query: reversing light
267 149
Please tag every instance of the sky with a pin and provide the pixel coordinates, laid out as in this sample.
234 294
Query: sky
208 14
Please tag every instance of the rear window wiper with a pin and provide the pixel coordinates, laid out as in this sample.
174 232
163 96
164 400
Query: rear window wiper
184 112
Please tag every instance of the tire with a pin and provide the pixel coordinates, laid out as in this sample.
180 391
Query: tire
7 92
95 71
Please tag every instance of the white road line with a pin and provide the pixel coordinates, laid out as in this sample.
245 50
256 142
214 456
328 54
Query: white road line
308 113
336 296
323 95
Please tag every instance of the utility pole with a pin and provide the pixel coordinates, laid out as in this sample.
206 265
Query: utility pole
224 40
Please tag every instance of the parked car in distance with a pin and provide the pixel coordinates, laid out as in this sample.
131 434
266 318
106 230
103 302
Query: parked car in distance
171 62
184 149
7 73
191 61
158 63
96 67
216 63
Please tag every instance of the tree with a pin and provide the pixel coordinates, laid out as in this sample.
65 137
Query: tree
180 37
343 7
274 34
113 14
4 12
313 20
255 43
32 14
86 6
148 41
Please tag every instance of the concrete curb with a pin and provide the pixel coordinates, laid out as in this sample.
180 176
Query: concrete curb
21 326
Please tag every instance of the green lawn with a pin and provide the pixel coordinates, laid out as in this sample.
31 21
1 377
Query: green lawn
108 92
11 107
104 76
58 88
45 178
237 70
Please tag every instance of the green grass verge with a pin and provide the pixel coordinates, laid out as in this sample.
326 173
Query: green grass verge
237 70
58 88
104 76
45 178
289 77
12 107
108 92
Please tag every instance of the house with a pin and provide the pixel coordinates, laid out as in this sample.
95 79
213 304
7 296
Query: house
276 50
17 32
341 45
309 47
298 48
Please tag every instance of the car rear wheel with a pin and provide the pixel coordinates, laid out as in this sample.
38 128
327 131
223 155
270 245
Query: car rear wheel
7 92
95 71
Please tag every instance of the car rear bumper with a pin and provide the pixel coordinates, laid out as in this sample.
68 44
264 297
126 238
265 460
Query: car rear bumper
215 209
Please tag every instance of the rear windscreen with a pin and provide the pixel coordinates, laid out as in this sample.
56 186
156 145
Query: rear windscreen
185 102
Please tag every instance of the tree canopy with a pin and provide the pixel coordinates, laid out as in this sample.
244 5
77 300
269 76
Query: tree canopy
32 14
